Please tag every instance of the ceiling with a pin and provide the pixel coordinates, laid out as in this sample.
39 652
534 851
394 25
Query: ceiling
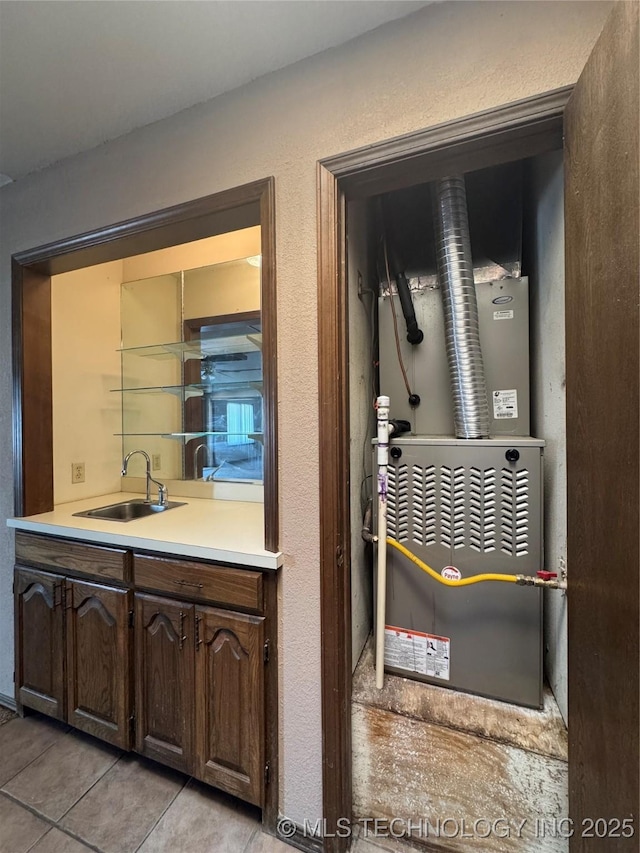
75 74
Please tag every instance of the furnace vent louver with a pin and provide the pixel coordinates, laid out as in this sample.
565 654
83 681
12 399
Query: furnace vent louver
514 503
452 507
480 508
424 505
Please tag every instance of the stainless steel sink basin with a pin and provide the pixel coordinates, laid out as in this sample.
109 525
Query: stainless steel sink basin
127 510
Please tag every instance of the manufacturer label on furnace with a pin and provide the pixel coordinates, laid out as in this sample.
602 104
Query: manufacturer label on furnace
451 573
505 403
427 654
503 315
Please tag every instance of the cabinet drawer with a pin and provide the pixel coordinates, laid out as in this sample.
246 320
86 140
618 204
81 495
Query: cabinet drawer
206 581
61 554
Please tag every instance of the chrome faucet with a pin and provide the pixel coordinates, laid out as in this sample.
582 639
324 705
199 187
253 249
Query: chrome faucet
162 489
195 458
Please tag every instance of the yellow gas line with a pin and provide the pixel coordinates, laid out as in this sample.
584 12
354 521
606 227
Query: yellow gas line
521 580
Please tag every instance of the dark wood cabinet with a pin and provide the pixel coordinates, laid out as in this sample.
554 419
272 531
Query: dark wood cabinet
181 681
39 616
72 652
98 667
229 704
164 680
200 692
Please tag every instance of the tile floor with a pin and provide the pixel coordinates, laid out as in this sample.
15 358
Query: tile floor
64 792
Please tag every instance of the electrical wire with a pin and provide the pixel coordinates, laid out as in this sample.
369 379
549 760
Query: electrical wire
395 318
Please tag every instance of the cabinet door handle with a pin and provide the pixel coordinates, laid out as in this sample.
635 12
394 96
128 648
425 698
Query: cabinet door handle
197 632
57 594
189 583
182 634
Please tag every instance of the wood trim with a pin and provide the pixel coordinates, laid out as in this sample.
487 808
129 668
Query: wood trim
335 580
33 411
269 311
228 210
513 131
240 207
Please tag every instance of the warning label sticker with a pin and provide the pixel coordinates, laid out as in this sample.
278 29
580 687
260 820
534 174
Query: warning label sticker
503 315
427 654
505 403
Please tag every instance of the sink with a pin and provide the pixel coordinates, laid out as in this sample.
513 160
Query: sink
127 510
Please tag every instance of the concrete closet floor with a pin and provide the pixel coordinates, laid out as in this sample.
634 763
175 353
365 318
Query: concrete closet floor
64 792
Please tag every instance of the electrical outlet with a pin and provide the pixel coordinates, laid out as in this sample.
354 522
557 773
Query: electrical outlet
77 472
156 462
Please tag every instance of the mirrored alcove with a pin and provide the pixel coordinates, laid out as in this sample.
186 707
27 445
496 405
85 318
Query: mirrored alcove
191 370
162 352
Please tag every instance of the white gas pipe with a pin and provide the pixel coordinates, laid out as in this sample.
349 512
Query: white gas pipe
381 578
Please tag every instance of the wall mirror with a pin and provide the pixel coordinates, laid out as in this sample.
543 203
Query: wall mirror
191 373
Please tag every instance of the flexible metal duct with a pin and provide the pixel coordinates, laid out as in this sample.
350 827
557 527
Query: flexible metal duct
455 274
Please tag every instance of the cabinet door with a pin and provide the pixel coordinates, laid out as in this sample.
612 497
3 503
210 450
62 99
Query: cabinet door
39 619
165 680
230 702
98 667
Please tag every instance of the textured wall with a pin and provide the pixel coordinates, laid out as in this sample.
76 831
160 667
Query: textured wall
456 58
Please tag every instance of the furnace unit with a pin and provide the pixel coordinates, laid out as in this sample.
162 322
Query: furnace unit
466 507
464 485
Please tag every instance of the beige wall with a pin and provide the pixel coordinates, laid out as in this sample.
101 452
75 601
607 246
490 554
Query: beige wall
85 337
447 60
199 253
226 289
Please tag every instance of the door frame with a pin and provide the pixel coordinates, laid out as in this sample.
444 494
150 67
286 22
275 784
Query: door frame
512 132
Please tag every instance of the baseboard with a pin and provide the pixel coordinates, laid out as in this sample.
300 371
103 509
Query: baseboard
8 702
302 841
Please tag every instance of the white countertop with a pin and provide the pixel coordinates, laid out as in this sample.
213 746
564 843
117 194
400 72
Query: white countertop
229 531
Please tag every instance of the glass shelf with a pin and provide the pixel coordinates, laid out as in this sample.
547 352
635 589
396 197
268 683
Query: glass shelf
179 394
226 348
187 436
214 388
